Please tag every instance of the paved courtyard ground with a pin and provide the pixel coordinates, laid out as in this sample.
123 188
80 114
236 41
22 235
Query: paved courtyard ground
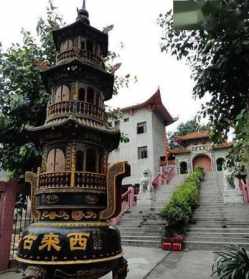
151 263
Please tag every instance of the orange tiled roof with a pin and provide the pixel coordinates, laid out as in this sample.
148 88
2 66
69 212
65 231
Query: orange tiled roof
193 135
223 145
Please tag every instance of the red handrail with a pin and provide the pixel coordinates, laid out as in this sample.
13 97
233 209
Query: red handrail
244 188
128 201
166 175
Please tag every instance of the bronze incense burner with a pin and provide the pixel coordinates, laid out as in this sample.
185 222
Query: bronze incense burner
74 193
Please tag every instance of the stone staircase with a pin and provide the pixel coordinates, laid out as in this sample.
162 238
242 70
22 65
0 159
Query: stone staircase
215 224
142 226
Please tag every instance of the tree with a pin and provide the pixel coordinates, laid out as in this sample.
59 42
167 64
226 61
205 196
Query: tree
23 98
218 54
239 155
185 128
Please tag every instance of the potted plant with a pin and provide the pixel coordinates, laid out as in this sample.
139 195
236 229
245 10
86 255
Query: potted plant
231 264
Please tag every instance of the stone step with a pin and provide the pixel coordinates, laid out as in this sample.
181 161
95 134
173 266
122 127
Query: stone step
219 234
215 238
142 243
211 246
220 224
147 223
142 237
142 228
138 233
218 230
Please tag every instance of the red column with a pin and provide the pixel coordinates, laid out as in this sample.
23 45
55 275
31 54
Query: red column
8 191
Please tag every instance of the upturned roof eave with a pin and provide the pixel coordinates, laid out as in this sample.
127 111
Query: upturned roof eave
155 103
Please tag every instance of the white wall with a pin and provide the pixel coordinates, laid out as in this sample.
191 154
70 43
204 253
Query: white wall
213 154
153 139
158 142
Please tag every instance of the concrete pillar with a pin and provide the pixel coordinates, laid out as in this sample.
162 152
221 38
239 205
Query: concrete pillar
8 191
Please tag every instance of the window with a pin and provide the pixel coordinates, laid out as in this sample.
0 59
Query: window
82 94
66 45
90 95
70 44
56 161
101 162
141 128
126 119
76 42
220 164
65 93
91 158
89 47
79 161
62 94
83 44
97 101
142 152
183 168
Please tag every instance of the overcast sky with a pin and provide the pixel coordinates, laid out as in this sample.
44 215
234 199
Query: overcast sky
136 26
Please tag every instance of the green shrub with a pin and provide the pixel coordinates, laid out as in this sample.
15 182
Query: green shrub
232 264
180 207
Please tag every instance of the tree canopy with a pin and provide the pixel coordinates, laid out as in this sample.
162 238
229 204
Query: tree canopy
218 54
23 98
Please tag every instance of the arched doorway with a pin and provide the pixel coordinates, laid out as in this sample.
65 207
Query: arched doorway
220 162
202 161
183 167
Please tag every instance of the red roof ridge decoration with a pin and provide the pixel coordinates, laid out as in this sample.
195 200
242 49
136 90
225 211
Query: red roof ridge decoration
155 104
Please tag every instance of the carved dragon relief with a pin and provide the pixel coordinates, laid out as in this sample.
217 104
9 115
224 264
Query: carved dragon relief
115 174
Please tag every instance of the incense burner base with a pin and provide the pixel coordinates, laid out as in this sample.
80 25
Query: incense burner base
71 250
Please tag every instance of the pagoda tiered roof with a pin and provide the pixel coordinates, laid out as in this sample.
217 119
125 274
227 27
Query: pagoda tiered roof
75 69
76 127
80 28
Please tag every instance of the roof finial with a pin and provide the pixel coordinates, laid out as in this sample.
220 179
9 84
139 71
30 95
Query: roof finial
84 5
83 14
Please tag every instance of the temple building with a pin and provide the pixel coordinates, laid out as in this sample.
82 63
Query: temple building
145 126
197 150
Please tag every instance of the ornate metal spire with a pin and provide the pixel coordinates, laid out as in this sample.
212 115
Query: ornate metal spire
83 14
84 5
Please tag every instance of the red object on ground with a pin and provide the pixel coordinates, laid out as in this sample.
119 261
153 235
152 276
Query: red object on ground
8 191
167 246
173 243
177 246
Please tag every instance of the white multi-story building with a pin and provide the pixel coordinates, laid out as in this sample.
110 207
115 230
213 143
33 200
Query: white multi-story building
145 126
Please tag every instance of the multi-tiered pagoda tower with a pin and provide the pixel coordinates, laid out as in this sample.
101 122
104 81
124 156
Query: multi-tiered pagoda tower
74 194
